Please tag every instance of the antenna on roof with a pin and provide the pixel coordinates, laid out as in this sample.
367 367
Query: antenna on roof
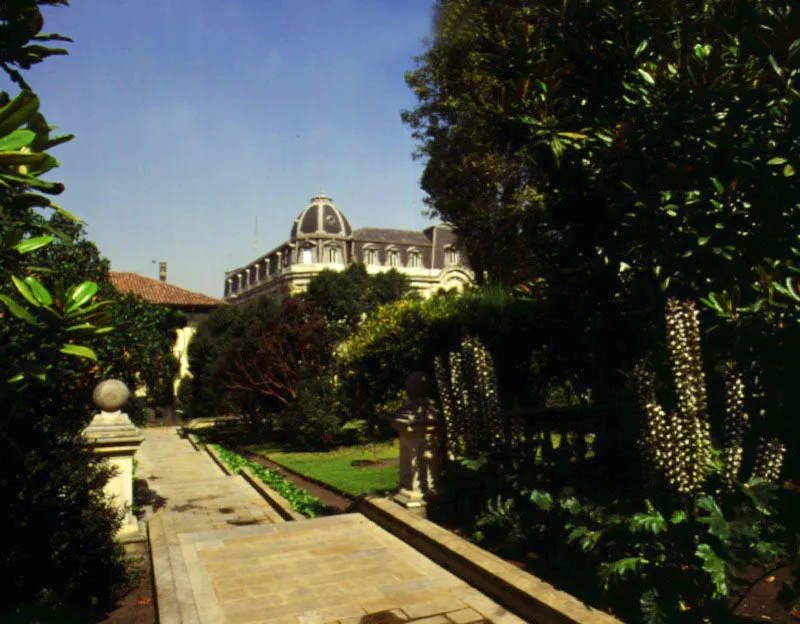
255 239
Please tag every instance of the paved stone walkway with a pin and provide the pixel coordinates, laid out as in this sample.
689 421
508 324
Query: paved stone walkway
222 555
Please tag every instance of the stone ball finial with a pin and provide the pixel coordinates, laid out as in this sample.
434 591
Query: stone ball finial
417 386
110 395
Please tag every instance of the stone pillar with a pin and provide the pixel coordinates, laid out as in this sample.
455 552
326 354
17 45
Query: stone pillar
112 436
421 437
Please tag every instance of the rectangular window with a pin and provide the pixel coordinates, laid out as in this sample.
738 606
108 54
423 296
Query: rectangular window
414 259
393 258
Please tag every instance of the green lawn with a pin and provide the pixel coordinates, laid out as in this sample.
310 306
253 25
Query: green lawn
336 467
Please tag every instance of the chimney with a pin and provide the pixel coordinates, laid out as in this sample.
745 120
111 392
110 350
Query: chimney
162 271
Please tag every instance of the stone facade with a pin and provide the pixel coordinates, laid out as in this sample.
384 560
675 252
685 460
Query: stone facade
321 238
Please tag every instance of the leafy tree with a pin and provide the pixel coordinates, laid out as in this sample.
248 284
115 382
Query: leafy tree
139 351
478 186
347 296
256 359
656 148
60 547
205 395
273 352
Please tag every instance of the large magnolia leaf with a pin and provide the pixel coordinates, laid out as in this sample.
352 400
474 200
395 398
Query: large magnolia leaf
80 295
79 350
32 244
17 112
18 311
16 140
42 295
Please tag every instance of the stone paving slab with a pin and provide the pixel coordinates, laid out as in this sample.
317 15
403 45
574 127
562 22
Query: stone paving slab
246 566
324 571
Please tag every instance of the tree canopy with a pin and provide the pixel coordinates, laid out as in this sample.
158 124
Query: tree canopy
345 297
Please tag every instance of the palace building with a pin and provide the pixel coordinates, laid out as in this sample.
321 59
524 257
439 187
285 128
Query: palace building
321 238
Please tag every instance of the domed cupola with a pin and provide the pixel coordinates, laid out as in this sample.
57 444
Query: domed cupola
321 219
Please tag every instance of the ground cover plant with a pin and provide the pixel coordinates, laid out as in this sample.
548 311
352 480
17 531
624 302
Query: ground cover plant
355 470
300 500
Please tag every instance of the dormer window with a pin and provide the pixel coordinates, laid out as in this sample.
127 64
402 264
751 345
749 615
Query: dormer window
371 256
450 255
393 258
332 254
414 259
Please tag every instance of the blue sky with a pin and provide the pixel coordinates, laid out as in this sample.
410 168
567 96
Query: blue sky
195 117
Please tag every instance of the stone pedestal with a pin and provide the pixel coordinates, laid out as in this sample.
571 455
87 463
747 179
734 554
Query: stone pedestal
114 437
420 432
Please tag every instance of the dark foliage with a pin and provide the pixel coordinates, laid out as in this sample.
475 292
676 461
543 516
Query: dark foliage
346 297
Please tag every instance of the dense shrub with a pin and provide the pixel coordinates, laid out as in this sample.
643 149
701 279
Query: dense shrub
59 545
407 335
258 360
314 419
668 539
57 548
346 297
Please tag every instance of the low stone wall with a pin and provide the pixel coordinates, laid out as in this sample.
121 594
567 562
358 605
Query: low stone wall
524 594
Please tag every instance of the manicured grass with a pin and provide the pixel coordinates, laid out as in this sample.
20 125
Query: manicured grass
336 467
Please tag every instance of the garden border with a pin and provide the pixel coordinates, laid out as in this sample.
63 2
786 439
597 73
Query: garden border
273 499
520 592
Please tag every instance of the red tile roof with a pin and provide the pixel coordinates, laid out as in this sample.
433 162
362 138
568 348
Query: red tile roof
159 292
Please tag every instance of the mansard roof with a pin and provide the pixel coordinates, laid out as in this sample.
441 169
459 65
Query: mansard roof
391 236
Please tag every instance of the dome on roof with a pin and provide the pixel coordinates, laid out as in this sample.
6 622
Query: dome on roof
321 219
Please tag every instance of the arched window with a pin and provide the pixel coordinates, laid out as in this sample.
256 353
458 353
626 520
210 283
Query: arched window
370 255
393 257
307 255
414 259
332 254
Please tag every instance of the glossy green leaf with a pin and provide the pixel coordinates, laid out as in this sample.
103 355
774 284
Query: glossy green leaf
32 244
17 112
776 160
788 171
42 295
81 295
79 350
25 291
37 162
66 214
18 311
775 67
54 188
16 140
647 77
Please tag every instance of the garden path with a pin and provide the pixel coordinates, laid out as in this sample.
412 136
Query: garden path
221 555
